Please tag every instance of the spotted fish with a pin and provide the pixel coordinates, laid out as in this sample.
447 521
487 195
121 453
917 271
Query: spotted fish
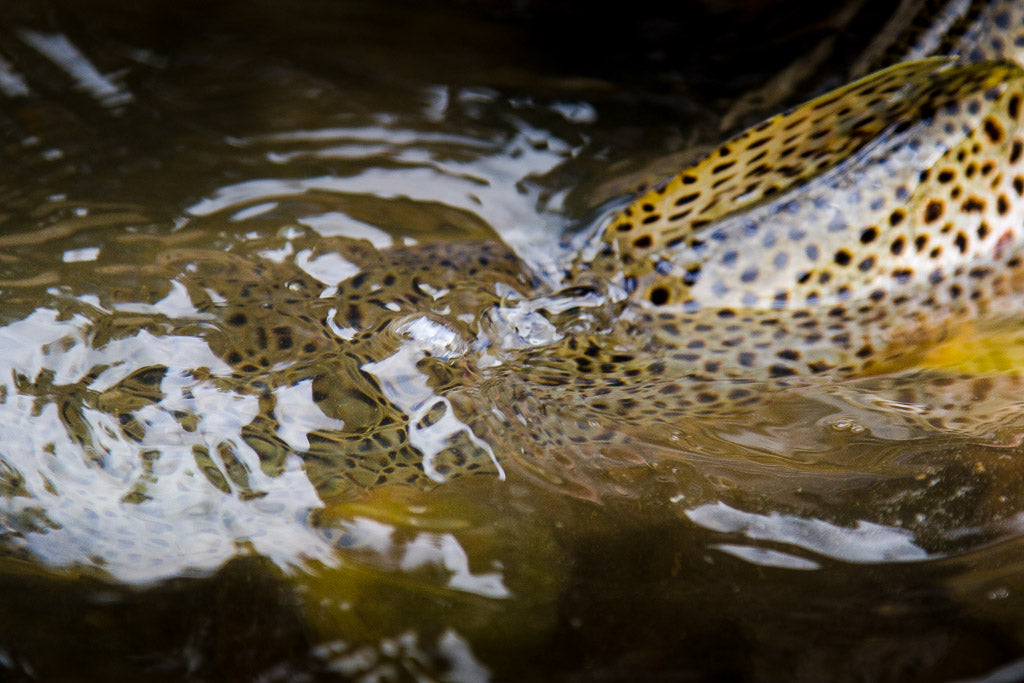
879 238
832 243
836 241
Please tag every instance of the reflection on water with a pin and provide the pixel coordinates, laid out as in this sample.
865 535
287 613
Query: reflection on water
265 309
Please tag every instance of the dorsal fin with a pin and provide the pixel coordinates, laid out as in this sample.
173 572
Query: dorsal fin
972 31
777 154
996 31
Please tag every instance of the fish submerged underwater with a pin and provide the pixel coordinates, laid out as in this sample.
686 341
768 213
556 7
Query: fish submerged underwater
276 376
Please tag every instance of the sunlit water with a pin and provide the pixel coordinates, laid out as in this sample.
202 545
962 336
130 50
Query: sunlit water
154 523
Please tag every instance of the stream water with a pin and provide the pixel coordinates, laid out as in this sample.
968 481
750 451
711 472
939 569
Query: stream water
166 515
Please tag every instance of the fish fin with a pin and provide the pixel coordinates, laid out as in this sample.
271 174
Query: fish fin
976 350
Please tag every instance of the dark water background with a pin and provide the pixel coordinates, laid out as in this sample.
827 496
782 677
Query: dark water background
808 546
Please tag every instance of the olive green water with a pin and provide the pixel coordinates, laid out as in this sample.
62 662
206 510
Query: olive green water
158 162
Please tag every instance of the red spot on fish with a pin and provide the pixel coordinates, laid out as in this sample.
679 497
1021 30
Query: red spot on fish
1005 240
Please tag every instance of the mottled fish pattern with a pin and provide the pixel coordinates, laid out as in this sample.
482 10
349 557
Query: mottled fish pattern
835 241
831 243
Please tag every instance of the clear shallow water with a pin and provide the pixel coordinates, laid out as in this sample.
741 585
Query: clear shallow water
154 524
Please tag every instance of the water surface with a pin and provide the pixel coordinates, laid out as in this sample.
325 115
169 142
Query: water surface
166 170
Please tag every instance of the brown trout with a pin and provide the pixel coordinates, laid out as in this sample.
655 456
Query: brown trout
834 245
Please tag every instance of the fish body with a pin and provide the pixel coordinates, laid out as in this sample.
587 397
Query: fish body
881 239
831 244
